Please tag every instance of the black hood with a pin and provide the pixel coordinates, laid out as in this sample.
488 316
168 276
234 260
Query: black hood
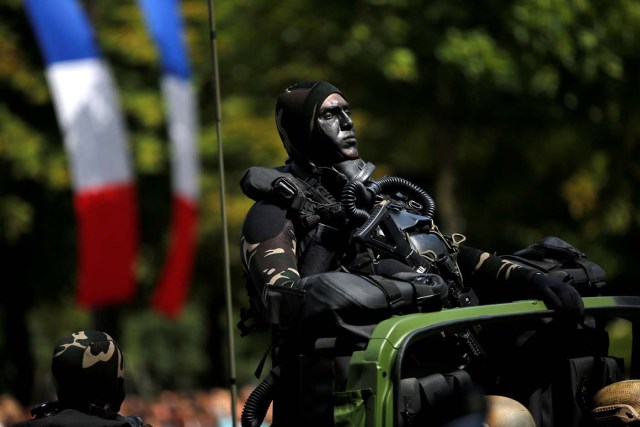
296 113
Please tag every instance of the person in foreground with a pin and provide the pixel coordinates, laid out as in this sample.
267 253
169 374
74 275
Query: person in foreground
307 279
88 373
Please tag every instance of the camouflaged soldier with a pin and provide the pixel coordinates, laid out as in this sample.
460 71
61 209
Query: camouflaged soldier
304 278
297 229
88 374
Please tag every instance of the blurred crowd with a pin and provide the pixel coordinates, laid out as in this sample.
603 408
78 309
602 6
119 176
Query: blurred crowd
202 408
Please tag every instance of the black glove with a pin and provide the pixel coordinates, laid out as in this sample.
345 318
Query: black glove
557 295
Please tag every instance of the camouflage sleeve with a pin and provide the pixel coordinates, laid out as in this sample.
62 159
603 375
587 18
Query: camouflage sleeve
268 249
491 267
493 278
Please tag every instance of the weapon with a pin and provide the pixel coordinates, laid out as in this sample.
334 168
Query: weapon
400 226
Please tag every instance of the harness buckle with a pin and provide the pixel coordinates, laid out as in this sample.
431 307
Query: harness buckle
284 188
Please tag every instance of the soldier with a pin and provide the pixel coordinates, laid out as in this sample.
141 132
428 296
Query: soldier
287 239
302 272
88 373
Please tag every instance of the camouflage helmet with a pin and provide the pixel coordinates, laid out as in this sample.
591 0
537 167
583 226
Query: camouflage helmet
88 368
617 404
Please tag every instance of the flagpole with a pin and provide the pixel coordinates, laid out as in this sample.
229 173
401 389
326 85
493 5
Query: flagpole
225 242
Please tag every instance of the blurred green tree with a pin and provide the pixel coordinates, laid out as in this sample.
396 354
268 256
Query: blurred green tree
519 116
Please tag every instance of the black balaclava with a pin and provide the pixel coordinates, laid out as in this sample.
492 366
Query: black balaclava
296 116
88 369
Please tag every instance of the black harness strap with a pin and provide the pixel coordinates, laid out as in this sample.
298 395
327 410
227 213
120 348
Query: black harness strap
390 289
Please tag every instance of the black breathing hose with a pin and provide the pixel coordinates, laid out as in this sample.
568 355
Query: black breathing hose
356 191
257 404
352 192
388 183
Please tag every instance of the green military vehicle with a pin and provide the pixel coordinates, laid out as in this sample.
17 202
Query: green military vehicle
408 373
402 379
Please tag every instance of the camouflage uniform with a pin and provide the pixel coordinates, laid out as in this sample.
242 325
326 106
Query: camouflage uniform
270 258
275 248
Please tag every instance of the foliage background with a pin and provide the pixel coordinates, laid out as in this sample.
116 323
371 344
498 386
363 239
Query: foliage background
520 117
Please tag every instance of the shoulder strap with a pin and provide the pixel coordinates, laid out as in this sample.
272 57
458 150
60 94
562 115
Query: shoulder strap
390 290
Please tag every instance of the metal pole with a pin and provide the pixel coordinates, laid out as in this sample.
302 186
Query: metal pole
225 240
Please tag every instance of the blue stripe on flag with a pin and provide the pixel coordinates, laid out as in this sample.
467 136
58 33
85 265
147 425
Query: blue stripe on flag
62 30
165 25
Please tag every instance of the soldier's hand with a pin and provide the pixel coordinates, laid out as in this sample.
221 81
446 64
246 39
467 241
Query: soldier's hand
558 295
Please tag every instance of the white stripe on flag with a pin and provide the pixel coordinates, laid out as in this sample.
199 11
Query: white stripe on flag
166 28
182 114
91 121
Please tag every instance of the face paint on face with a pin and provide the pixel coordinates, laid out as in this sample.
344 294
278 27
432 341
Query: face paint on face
334 121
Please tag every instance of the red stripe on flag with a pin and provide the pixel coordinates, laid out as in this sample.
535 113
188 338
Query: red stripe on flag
108 245
172 289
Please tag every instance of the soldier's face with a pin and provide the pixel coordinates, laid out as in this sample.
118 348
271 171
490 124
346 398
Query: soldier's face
334 121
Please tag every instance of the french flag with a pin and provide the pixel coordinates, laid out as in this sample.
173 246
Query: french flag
95 138
166 28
